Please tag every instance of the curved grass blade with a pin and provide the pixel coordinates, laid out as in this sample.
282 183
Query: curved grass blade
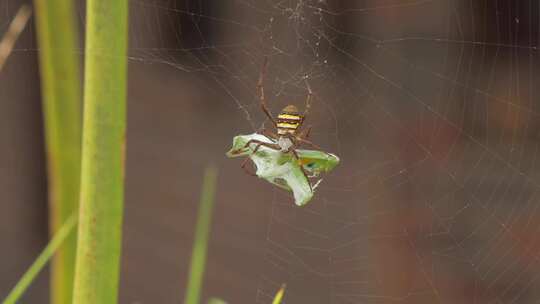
41 260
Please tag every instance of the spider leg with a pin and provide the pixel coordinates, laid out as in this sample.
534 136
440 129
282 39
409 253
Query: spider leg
269 145
260 88
308 99
269 134
243 166
301 168
304 134
309 143
262 143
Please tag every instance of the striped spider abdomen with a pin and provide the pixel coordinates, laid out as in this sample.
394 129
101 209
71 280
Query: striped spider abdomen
289 120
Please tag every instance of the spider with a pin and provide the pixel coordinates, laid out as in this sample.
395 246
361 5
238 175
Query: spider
288 123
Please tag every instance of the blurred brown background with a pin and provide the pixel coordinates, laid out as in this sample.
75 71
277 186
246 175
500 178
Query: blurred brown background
433 107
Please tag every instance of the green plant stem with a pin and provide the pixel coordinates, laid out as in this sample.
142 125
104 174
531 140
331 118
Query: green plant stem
202 232
61 90
62 233
102 172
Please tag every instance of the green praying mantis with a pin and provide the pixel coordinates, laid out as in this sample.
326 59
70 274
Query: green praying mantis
283 169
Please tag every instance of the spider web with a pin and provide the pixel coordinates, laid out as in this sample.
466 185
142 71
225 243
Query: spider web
432 106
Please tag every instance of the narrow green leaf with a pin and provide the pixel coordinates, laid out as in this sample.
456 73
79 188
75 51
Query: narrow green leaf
40 262
202 232
102 171
56 28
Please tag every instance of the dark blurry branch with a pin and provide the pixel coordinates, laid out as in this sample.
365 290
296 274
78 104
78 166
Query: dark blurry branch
15 29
